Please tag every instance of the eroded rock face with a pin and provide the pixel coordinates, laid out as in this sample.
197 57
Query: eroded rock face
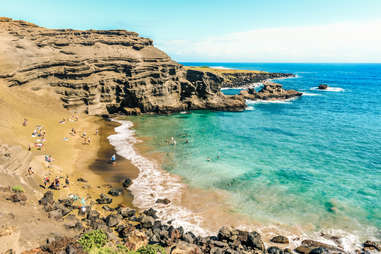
102 72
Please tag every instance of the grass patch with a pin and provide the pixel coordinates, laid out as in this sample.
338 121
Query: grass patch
17 188
93 239
149 249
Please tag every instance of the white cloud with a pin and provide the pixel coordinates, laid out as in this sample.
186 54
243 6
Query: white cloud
340 42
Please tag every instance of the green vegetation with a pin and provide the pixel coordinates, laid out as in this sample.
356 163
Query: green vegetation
17 188
93 239
149 249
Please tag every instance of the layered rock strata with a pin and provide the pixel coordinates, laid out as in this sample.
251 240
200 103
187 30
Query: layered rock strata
102 72
233 80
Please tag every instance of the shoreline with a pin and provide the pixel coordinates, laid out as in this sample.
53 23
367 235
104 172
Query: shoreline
190 200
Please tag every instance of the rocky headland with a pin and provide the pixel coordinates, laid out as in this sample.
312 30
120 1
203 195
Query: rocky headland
240 78
113 71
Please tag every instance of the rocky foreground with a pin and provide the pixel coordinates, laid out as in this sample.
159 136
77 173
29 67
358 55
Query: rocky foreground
123 226
112 71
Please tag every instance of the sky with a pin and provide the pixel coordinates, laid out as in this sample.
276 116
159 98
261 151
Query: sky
226 30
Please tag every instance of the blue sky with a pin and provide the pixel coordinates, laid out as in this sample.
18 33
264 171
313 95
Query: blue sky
240 30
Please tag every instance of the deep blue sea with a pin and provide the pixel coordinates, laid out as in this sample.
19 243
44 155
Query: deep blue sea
312 161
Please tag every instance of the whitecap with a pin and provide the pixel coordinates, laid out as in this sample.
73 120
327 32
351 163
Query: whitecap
251 102
153 183
311 94
249 108
329 89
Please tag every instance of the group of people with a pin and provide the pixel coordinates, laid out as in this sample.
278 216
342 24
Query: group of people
55 184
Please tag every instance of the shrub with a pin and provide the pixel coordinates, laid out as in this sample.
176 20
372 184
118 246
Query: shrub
17 188
93 239
149 249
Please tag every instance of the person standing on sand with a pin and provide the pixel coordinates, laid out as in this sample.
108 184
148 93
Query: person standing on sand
67 180
46 181
113 159
30 171
96 132
25 122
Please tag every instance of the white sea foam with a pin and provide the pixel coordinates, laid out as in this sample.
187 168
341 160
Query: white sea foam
153 183
311 94
249 108
329 89
251 102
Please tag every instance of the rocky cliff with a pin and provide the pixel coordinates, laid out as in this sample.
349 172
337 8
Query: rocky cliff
102 72
241 78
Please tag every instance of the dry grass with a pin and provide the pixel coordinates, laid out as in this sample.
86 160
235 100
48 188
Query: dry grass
219 71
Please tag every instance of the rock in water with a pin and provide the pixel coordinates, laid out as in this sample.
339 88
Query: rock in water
105 71
127 182
164 201
270 92
322 86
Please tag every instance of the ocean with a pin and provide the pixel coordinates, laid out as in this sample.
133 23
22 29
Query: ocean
311 165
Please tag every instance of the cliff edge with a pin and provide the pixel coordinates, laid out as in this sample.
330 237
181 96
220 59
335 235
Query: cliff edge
105 71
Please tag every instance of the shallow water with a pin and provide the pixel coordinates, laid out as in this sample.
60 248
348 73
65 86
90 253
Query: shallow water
313 162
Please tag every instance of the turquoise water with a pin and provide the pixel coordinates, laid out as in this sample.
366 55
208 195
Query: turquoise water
315 160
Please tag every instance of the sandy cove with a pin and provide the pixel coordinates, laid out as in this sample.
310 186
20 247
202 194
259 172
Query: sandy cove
27 226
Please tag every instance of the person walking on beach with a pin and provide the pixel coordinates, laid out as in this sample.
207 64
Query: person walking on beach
113 159
57 183
25 122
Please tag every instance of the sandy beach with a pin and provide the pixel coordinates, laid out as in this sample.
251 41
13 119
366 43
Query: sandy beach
71 158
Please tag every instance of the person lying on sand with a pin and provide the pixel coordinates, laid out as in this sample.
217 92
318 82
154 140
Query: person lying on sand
62 121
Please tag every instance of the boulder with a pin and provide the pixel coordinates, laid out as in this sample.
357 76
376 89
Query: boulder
280 239
127 212
93 215
185 248
319 250
372 245
55 214
147 221
151 212
104 199
46 199
17 197
255 241
164 201
113 219
127 182
115 192
135 240
274 250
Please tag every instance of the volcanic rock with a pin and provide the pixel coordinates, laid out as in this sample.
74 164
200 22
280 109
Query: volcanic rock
280 239
322 86
105 71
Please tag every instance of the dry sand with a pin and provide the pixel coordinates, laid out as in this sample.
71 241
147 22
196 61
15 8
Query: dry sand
25 226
